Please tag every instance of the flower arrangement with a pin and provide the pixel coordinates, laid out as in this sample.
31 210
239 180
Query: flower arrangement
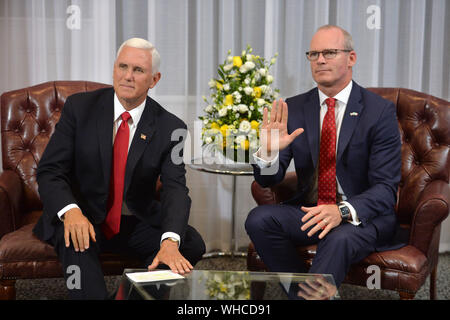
235 109
229 286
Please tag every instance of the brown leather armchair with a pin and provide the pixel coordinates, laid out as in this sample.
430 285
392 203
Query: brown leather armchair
28 118
423 197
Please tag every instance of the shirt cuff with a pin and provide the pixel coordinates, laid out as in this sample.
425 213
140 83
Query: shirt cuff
355 220
171 235
264 163
65 209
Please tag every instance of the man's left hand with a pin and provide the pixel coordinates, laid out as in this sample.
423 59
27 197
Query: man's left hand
171 256
325 217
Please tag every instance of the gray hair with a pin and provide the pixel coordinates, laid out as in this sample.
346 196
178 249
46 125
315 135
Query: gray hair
348 40
143 44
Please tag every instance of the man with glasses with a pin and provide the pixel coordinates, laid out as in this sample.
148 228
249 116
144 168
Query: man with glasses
345 144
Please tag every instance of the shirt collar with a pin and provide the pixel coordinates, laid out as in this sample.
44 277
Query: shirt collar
135 113
342 96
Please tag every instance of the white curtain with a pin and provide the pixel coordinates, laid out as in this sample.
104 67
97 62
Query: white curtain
403 43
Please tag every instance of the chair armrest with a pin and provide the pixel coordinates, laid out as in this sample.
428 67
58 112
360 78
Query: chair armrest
262 195
285 190
11 193
432 209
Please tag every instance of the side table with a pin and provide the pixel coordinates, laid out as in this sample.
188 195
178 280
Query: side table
234 172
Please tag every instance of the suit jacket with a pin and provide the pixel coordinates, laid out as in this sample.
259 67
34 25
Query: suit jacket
368 160
76 165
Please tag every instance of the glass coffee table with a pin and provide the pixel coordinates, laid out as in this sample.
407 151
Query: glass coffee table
231 285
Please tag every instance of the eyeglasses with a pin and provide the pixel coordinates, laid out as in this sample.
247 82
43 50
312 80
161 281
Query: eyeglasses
327 54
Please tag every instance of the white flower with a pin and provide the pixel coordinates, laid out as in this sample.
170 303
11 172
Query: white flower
205 121
243 108
247 81
226 86
248 91
244 127
243 69
249 57
236 97
208 140
273 60
261 102
264 88
252 107
212 83
223 112
249 65
230 59
227 67
269 78
262 71
235 108
209 108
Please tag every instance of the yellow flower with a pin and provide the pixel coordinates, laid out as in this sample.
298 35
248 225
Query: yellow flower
257 92
237 61
254 124
219 86
215 125
228 100
245 144
223 130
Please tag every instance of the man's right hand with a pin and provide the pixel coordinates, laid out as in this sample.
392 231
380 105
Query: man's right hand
278 122
78 228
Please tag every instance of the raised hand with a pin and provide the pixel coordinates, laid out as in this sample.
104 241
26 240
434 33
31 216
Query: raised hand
274 133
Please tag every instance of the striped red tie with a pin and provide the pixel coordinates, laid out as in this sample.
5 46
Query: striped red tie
111 226
327 157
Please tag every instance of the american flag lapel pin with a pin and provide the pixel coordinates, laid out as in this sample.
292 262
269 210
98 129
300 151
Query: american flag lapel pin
353 114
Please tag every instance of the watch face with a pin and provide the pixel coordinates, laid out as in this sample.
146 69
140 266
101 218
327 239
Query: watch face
345 212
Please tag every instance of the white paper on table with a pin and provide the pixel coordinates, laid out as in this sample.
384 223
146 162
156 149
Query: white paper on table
149 276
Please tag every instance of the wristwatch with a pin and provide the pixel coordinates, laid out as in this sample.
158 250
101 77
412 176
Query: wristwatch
345 211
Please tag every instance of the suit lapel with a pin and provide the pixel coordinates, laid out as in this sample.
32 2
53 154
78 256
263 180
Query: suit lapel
312 122
105 123
351 117
141 140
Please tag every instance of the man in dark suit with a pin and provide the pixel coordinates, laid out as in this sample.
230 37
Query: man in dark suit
345 144
98 174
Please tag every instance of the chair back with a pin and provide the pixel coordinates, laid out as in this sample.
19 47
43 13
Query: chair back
424 123
28 118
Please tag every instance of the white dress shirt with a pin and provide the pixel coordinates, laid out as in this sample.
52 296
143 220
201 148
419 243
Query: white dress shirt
341 104
135 114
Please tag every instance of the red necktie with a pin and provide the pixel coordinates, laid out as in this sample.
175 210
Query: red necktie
327 157
111 226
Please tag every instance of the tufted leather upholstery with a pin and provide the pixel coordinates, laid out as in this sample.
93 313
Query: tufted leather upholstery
28 118
423 196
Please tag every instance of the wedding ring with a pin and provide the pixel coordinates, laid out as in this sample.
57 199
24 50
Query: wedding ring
326 223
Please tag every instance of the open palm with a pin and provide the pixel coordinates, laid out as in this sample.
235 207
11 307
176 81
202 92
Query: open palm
274 133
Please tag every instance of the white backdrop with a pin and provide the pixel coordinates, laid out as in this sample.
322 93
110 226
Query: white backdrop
401 43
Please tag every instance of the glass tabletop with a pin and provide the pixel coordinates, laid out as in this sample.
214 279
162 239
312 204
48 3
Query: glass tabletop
231 285
228 167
